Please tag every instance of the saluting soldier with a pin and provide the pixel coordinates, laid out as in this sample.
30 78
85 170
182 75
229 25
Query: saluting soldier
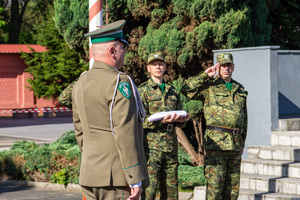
107 116
225 112
161 145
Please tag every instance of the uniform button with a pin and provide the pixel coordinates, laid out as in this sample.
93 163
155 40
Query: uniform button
130 176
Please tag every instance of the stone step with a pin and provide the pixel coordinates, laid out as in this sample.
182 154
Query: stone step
286 138
200 192
292 124
268 152
271 168
290 186
254 195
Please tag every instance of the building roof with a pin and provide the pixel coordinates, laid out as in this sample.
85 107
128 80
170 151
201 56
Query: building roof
18 48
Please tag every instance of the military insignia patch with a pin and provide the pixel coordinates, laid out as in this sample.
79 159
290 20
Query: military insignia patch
124 88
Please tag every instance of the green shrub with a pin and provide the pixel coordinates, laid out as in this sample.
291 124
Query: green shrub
190 176
59 162
29 161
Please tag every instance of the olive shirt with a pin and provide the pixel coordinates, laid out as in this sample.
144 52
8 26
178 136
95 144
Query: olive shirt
155 101
222 107
107 159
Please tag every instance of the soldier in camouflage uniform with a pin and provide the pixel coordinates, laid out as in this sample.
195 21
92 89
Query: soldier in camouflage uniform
160 139
225 112
65 98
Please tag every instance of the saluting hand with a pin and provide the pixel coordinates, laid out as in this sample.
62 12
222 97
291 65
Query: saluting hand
211 71
135 193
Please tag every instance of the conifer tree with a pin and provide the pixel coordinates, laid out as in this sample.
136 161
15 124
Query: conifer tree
54 69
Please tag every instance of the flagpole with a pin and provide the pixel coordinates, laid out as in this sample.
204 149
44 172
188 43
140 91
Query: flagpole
95 20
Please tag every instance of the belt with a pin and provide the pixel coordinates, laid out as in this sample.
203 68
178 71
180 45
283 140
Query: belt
223 129
169 127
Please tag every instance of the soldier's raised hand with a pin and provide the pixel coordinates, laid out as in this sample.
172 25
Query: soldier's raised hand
211 71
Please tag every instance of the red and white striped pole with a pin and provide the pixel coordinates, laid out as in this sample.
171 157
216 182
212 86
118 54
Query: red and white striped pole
95 20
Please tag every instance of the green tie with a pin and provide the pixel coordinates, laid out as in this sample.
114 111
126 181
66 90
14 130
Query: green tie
228 85
162 87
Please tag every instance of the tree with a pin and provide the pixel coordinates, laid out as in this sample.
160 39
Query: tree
284 18
54 69
17 10
71 20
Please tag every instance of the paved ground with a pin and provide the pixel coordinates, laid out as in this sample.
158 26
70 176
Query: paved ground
19 192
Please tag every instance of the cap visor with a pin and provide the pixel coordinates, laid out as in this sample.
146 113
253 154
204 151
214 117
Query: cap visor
123 41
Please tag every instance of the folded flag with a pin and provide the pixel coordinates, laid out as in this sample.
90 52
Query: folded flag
158 116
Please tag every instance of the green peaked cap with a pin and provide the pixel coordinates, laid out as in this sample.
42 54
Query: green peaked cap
223 58
110 32
156 56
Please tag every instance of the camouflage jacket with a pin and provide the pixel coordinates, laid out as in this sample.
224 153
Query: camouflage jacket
156 135
65 98
221 108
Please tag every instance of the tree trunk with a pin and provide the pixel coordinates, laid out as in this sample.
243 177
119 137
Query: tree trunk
187 146
15 27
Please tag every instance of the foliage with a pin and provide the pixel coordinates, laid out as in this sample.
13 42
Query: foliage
58 161
185 31
189 176
70 20
2 22
54 69
284 17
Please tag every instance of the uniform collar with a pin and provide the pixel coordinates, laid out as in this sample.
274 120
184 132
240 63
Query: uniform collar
103 65
154 85
221 82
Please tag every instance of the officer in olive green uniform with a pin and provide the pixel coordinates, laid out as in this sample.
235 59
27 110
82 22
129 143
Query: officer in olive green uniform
225 112
107 116
160 138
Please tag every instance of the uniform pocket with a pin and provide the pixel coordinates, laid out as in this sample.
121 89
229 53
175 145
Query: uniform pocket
240 98
221 98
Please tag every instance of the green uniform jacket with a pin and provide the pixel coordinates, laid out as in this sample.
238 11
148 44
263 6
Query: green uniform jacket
154 101
107 160
221 108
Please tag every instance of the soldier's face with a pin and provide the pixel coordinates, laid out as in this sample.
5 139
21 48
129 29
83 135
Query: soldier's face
156 68
226 70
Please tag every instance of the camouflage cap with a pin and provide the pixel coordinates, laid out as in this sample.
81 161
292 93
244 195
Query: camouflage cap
156 56
223 58
110 32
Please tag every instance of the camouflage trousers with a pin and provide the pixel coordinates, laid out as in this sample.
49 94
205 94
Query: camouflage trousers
163 175
222 171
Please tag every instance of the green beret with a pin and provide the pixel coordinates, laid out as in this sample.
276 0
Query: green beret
223 58
110 32
156 56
